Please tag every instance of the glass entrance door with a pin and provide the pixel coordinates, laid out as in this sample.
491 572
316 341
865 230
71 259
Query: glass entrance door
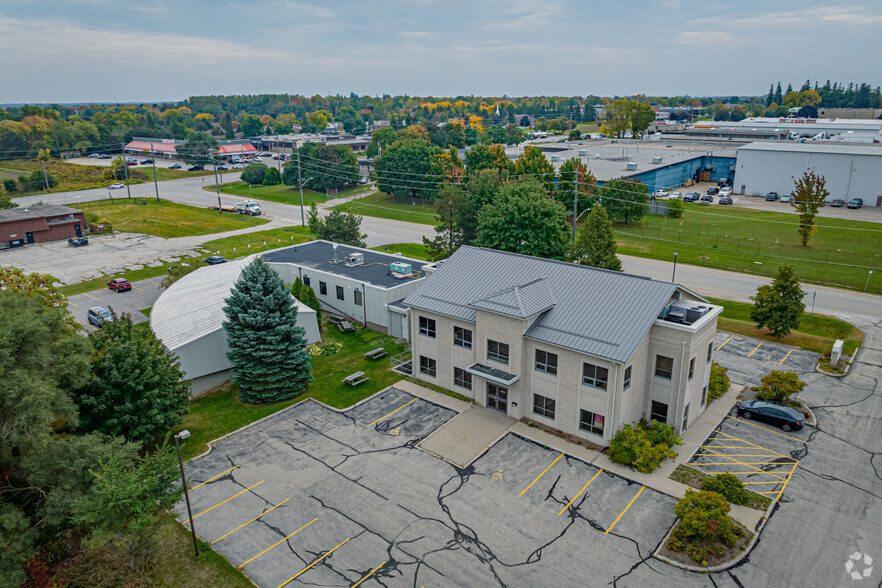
497 397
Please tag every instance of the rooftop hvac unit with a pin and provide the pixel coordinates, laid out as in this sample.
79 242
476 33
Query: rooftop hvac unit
656 160
631 166
399 267
583 152
354 259
555 157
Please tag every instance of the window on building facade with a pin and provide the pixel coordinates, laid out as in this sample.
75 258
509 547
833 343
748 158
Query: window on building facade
323 289
357 295
704 396
546 362
462 378
691 368
664 366
462 337
710 350
543 406
627 383
593 375
340 293
427 366
591 422
427 327
497 351
306 280
685 417
659 411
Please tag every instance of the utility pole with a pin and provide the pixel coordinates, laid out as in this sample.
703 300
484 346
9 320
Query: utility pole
300 184
155 183
46 178
126 165
183 435
216 185
575 201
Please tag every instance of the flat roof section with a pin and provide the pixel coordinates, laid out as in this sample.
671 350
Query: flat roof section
814 148
320 255
29 212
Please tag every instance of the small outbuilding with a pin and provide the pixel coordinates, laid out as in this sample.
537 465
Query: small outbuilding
188 319
37 224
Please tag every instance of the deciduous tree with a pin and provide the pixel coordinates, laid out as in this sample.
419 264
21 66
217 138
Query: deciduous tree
267 348
532 162
626 201
809 194
404 169
573 173
254 173
779 307
199 149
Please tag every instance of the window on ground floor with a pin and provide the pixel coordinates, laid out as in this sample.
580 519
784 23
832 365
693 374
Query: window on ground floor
685 417
591 422
710 350
659 411
323 289
462 378
704 396
357 295
664 366
427 366
594 375
340 293
306 280
543 406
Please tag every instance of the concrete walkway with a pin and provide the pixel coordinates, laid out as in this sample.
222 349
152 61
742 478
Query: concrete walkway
466 436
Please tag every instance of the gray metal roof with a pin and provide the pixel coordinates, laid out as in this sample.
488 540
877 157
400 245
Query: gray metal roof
41 211
598 312
522 301
319 255
794 147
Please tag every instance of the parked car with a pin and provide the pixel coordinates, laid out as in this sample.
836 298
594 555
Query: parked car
773 413
237 166
103 156
221 167
94 155
175 166
660 194
713 191
146 161
119 285
195 168
707 198
726 200
855 203
786 198
724 182
362 180
215 259
772 196
676 195
727 191
837 202
77 241
97 315
131 163
691 197
116 186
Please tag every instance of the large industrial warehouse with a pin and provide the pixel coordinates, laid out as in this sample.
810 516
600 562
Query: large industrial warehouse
851 171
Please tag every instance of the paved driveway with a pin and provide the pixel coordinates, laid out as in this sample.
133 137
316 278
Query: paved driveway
142 296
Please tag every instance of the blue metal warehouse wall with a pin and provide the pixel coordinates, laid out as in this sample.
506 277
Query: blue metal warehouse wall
676 174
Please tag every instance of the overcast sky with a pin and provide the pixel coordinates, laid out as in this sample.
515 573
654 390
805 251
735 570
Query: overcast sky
151 50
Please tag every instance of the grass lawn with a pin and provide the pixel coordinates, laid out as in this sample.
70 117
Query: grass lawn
220 412
229 247
588 127
745 241
412 250
386 206
166 219
280 193
816 332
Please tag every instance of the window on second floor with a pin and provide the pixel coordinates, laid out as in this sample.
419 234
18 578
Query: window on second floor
427 327
462 337
691 368
710 350
594 375
546 362
627 383
664 366
497 351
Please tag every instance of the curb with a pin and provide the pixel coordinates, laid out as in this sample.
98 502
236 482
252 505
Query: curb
847 366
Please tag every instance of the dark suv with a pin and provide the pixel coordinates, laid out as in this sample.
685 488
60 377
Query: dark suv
855 203
97 315
771 196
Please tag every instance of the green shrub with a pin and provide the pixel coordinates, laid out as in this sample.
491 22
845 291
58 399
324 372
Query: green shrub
704 518
719 381
675 208
778 386
643 447
273 177
660 433
729 486
9 185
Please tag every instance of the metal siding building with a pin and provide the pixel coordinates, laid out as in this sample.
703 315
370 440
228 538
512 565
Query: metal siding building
188 318
851 171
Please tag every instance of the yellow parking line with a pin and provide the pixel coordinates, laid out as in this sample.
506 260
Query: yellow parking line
371 573
214 477
391 413
242 565
251 521
137 288
730 463
90 296
642 488
746 483
757 470
310 565
724 343
152 282
748 473
540 475
74 303
579 493
735 454
753 445
755 348
228 499
781 491
765 429
725 446
770 491
785 357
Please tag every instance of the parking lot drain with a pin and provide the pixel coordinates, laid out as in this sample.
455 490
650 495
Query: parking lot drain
251 521
369 574
228 499
642 488
393 412
579 493
294 577
540 475
214 477
244 563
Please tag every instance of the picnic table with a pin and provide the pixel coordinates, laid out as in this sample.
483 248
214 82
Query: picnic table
355 379
375 353
345 326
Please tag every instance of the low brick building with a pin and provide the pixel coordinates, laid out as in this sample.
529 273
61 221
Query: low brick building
38 224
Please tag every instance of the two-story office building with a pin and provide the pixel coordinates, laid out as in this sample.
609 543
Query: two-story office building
364 285
579 349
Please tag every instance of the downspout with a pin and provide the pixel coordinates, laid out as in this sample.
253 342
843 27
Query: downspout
612 415
679 385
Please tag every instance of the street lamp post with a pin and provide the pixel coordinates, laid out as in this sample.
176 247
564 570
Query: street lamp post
576 220
674 275
183 435
869 275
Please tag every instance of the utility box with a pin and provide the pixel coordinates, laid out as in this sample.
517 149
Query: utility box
400 267
836 353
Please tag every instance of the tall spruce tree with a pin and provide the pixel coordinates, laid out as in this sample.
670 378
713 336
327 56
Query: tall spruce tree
267 348
595 243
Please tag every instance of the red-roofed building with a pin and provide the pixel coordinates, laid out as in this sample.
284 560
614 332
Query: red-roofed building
167 147
236 149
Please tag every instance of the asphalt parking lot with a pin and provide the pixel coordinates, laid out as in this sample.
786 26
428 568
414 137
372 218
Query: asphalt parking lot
328 498
142 296
749 359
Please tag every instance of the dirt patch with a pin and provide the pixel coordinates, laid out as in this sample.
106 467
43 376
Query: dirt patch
561 435
727 555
